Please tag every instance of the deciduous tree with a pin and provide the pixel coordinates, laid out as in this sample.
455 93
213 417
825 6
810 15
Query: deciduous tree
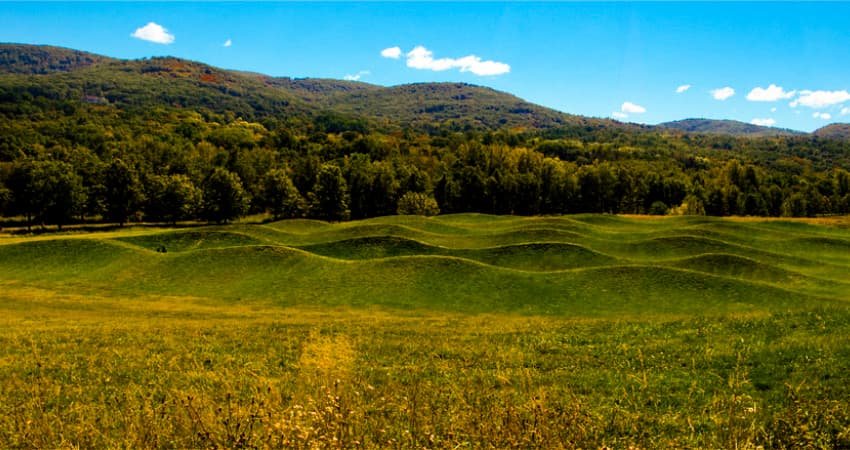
224 197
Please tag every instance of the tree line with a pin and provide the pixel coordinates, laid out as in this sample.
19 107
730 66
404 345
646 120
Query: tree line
175 165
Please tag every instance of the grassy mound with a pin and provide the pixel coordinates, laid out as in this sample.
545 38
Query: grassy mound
373 247
459 331
187 240
540 256
66 259
737 267
584 265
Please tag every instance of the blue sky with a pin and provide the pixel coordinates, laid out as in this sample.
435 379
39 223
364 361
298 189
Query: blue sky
784 64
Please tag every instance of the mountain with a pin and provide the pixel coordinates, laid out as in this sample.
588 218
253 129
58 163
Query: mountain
32 59
77 128
54 78
64 77
727 127
834 131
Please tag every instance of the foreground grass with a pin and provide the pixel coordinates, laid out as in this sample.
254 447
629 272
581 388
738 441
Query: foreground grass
459 332
173 373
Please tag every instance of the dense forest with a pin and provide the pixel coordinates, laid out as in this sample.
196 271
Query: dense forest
87 138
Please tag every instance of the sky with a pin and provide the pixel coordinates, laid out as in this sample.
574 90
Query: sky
780 64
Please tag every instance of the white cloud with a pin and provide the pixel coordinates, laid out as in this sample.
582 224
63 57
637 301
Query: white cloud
722 93
619 115
154 33
820 99
683 88
423 59
820 115
763 122
773 109
845 111
392 53
357 76
771 94
227 43
629 107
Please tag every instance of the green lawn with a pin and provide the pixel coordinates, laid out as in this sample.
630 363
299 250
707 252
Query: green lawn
459 331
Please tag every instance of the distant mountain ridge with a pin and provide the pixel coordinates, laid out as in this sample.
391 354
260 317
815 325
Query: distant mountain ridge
834 131
67 75
63 75
727 127
34 59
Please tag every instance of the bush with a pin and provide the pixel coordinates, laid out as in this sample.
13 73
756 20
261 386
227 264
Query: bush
417 203
658 208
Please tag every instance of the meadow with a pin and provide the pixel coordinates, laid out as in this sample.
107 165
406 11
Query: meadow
458 331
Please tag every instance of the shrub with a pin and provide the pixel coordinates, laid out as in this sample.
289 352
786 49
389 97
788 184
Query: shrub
417 203
658 208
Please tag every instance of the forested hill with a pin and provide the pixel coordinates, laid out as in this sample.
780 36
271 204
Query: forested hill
727 127
67 78
84 137
32 59
834 131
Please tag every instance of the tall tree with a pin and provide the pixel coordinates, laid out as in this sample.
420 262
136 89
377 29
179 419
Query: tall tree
180 199
123 193
224 197
5 199
329 199
280 196
47 191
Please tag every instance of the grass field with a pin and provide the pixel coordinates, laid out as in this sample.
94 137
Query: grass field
460 331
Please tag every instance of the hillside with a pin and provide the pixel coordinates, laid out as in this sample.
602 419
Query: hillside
74 76
467 263
460 331
58 78
30 59
727 127
834 131
115 140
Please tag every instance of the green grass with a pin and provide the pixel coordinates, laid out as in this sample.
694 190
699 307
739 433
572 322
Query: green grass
459 331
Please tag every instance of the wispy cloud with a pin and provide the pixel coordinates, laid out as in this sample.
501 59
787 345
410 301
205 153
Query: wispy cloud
227 43
392 53
683 88
845 111
619 115
771 94
820 99
153 32
631 108
423 59
722 93
357 76
820 115
763 122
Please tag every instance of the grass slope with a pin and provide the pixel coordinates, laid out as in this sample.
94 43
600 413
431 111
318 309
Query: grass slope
459 331
582 265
